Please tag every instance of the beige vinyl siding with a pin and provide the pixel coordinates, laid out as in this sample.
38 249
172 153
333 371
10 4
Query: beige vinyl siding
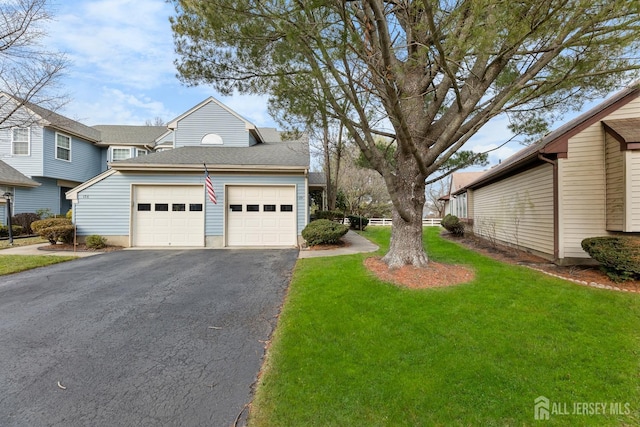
633 172
518 210
583 190
615 184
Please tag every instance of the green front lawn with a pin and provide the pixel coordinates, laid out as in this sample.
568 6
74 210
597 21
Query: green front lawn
351 350
15 263
4 244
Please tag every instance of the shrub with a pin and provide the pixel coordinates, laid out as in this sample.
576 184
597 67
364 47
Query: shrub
54 229
453 225
323 231
69 214
618 255
16 230
330 215
24 220
44 213
358 222
95 241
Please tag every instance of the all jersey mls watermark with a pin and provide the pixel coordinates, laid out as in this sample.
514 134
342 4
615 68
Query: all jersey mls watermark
543 408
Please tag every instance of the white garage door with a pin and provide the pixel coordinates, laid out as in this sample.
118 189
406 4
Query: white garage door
261 216
168 215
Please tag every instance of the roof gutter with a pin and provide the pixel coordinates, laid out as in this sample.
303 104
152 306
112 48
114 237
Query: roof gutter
556 207
199 168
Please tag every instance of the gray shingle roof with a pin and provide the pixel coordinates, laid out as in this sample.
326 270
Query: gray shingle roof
10 176
317 179
265 154
129 135
65 124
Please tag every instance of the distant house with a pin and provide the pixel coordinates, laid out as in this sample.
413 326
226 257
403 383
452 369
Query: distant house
56 152
261 184
579 181
455 202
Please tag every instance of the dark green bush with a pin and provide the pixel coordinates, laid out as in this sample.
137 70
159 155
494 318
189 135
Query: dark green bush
330 215
24 220
323 231
95 241
358 222
54 229
452 224
618 255
16 230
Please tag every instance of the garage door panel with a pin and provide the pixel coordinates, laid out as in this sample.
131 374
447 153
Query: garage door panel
170 222
265 227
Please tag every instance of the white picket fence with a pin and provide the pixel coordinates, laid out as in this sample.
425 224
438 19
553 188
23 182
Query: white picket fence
426 222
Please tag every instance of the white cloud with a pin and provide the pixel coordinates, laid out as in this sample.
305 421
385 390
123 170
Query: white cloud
113 106
125 42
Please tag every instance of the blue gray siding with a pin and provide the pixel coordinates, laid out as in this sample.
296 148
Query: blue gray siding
211 118
3 214
105 207
47 196
85 159
30 165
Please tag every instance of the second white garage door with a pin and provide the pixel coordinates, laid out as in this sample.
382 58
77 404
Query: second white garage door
168 215
261 216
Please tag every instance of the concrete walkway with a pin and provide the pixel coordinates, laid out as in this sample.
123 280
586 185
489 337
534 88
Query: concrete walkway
33 250
355 244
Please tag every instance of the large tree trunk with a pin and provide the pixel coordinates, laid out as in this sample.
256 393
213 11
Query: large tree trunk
406 233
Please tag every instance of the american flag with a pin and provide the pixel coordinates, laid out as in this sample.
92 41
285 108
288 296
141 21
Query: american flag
209 185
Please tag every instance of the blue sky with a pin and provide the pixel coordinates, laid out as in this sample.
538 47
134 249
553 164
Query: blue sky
121 70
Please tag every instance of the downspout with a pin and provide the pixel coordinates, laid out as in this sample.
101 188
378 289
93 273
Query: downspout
556 228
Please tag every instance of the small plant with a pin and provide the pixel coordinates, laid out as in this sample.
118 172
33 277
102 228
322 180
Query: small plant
69 214
358 222
54 229
24 220
618 255
95 241
453 225
323 231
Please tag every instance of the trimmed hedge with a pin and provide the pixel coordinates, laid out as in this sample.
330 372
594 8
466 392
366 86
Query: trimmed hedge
24 220
453 225
323 231
358 222
618 255
330 215
54 229
16 230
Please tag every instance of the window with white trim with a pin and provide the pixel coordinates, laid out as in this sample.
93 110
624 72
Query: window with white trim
20 145
140 152
63 147
120 154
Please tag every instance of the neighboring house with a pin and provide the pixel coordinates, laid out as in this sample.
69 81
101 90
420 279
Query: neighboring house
581 180
159 199
455 202
59 153
10 180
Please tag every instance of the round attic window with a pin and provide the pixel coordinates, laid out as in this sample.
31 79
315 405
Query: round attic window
211 139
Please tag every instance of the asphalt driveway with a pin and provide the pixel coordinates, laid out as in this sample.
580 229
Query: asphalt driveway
138 337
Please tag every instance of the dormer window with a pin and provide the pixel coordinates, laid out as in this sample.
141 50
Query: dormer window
20 141
120 154
211 139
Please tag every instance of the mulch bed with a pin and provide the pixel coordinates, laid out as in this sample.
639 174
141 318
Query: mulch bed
436 275
79 248
583 275
340 244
